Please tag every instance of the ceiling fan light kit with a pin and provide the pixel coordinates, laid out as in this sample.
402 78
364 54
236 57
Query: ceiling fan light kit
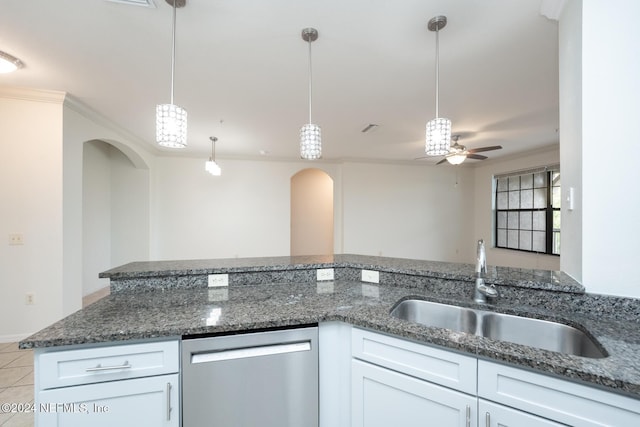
171 120
310 134
438 130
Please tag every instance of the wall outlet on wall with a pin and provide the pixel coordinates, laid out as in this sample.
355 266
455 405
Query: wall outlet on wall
30 298
371 276
324 274
216 280
16 239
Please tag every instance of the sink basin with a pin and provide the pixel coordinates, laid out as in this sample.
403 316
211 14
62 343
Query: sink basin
527 331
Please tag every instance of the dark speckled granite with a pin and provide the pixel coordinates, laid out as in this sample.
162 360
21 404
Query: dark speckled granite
167 299
398 271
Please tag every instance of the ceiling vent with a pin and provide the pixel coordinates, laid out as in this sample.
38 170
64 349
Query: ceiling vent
143 3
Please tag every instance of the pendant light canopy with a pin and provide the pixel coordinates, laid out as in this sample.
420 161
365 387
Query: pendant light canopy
211 166
438 138
171 120
310 134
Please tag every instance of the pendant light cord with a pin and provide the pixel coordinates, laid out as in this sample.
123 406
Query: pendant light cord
437 71
310 80
173 49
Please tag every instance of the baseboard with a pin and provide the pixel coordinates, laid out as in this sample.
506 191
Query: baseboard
13 338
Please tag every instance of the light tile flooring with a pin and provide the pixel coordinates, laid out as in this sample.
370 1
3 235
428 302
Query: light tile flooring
16 383
16 376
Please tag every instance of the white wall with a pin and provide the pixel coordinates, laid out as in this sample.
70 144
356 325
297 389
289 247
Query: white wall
483 213
570 77
96 215
243 213
130 210
31 194
412 211
115 212
408 211
610 135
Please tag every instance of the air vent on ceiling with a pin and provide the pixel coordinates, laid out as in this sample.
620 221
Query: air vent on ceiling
143 3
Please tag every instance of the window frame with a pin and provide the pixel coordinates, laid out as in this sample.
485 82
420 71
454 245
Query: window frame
549 209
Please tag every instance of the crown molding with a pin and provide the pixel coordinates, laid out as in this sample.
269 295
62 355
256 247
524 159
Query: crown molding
29 94
81 108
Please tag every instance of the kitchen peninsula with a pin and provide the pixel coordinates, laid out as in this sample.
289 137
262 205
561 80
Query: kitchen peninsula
172 300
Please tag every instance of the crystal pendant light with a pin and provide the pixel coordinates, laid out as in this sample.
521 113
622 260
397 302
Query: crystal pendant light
211 166
438 138
310 134
171 120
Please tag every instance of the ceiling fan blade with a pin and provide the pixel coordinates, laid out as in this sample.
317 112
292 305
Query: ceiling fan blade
476 156
420 158
441 161
481 149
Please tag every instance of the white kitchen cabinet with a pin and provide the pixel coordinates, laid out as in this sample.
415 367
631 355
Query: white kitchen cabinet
143 402
493 415
382 398
556 399
107 385
403 383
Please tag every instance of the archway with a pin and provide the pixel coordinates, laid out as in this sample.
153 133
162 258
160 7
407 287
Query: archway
115 210
311 213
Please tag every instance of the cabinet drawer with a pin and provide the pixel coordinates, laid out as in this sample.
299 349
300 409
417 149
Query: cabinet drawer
442 367
98 364
554 398
493 415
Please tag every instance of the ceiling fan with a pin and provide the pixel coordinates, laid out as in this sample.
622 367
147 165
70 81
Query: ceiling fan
458 153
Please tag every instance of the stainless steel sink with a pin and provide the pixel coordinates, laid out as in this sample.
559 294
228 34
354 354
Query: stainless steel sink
527 331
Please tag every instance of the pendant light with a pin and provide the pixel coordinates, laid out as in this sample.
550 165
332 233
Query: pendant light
310 136
438 138
211 166
171 120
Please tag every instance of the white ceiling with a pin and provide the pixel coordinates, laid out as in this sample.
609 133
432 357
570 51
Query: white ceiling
241 70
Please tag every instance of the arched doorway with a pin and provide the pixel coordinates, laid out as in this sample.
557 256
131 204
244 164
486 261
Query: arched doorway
115 211
311 213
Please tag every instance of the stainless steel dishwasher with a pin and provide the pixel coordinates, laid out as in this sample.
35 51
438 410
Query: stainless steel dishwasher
256 379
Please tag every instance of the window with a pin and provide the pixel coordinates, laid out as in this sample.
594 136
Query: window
527 207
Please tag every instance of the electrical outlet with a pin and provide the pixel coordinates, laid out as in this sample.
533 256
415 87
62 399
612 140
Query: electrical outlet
30 298
16 239
324 274
371 276
216 280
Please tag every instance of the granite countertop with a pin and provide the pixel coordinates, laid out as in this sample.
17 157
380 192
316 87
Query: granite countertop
147 302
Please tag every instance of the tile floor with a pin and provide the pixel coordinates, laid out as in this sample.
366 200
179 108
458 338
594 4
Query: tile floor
16 383
16 375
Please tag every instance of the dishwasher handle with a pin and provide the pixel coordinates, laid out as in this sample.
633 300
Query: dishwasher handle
247 352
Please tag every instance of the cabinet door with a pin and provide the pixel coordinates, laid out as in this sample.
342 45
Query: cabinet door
151 402
383 398
494 415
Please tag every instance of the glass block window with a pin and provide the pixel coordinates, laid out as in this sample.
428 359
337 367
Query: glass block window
527 208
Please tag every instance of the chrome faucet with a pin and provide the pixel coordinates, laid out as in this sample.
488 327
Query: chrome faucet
482 290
